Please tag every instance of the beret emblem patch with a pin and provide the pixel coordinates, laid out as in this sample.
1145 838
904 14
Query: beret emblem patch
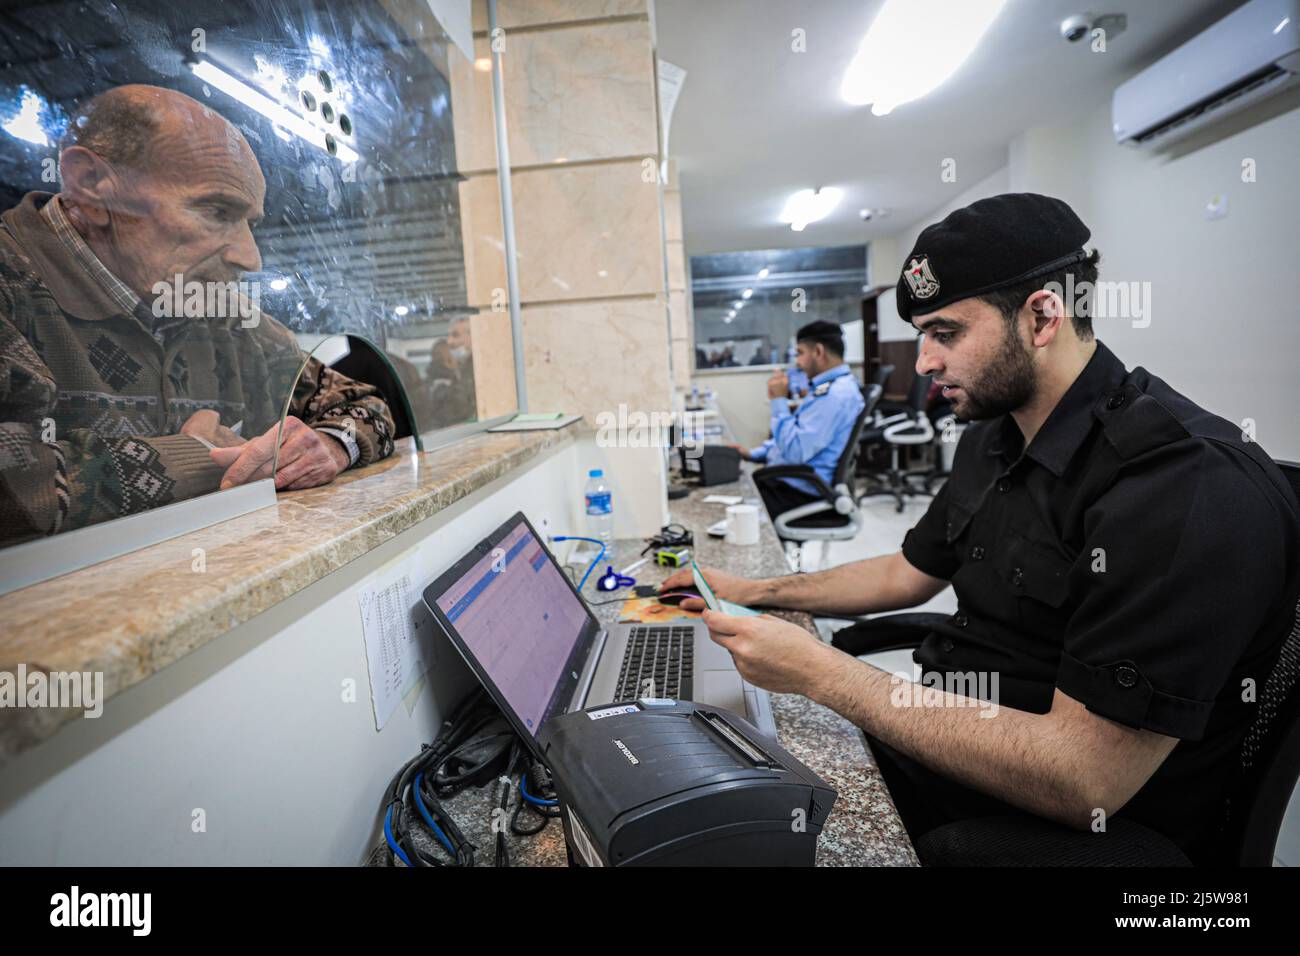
920 278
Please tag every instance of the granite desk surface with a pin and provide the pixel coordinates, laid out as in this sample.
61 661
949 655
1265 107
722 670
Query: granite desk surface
132 616
863 828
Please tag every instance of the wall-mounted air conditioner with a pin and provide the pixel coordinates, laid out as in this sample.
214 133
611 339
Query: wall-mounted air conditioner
1249 55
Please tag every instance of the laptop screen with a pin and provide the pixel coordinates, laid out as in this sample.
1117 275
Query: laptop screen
515 612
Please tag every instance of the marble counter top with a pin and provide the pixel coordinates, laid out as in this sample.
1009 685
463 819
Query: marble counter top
863 829
132 616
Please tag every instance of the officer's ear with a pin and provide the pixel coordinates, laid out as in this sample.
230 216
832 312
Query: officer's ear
1047 311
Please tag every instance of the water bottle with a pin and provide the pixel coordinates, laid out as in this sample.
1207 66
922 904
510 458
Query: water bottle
600 508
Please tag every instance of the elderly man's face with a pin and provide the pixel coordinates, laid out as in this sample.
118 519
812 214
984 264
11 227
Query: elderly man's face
191 209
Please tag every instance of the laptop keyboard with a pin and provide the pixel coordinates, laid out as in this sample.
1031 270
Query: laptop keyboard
659 662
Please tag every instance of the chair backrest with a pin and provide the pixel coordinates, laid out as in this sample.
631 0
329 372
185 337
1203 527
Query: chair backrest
882 376
916 395
849 456
365 363
1270 751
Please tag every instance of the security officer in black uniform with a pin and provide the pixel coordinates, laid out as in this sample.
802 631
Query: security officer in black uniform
1126 564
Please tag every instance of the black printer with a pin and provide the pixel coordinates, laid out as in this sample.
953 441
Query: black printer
671 783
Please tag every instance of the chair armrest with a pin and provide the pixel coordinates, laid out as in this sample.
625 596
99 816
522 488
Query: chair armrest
887 632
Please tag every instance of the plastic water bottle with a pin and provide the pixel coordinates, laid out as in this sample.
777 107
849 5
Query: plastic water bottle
600 507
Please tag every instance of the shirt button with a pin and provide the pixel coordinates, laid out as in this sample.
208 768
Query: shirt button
1018 577
977 553
1115 401
1126 676
1004 485
961 620
947 646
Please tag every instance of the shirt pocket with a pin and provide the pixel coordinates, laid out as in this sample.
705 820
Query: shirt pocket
959 519
1037 578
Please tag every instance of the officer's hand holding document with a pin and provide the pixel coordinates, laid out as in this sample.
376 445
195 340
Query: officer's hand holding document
714 602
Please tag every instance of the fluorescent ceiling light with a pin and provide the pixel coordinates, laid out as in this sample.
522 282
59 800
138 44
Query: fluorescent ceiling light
913 46
810 205
279 285
401 310
764 272
747 293
277 113
26 123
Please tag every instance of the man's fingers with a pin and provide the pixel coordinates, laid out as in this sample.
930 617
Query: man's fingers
723 625
678 579
693 604
225 457
254 457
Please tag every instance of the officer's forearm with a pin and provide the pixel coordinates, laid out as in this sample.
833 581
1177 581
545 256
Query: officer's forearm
870 586
1031 761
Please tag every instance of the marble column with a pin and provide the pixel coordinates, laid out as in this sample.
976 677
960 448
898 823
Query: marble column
583 130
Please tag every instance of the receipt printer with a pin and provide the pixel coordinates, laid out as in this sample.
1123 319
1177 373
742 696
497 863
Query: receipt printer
670 783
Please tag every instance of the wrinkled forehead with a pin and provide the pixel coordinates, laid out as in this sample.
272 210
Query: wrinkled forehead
201 148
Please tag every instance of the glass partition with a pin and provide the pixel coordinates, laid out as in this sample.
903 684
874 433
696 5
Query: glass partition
196 196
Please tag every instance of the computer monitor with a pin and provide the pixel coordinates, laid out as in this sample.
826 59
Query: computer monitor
518 621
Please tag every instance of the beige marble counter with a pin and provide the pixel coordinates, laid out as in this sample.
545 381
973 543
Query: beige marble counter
132 616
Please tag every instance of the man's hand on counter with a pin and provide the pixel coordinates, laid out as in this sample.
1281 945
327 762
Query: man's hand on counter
744 452
206 424
773 654
307 458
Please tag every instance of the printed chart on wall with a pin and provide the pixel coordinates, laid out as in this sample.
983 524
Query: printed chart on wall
392 651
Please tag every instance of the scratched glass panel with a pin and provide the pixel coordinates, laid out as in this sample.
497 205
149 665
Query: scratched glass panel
196 195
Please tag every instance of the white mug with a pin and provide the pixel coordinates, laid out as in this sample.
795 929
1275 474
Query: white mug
742 524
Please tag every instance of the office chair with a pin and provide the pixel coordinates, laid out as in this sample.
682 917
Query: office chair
899 426
834 516
366 363
1266 773
881 376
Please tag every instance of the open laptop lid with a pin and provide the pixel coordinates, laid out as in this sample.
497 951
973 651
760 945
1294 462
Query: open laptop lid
516 618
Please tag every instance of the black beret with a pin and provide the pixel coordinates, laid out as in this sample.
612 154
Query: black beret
821 331
990 244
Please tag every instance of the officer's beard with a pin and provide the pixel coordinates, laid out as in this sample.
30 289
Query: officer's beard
1007 383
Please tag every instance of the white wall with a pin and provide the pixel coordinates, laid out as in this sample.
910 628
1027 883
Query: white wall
252 727
1224 328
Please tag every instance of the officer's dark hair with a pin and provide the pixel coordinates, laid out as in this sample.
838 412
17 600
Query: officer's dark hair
827 333
1011 299
114 126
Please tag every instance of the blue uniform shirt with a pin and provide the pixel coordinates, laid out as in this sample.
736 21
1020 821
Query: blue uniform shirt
818 431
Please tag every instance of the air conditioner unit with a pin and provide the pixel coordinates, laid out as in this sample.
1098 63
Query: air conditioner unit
1251 54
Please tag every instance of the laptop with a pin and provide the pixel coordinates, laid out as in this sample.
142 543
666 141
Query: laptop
533 642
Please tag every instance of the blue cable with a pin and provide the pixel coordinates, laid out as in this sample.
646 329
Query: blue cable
523 791
424 812
388 835
594 561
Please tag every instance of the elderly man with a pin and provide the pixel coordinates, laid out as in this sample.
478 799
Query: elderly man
111 405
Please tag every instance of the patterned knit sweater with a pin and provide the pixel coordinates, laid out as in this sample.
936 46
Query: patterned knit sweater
92 397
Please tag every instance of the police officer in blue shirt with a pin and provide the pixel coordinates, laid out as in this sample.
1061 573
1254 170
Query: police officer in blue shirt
816 433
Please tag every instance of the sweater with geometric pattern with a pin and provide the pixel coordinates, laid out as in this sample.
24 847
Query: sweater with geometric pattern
92 397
